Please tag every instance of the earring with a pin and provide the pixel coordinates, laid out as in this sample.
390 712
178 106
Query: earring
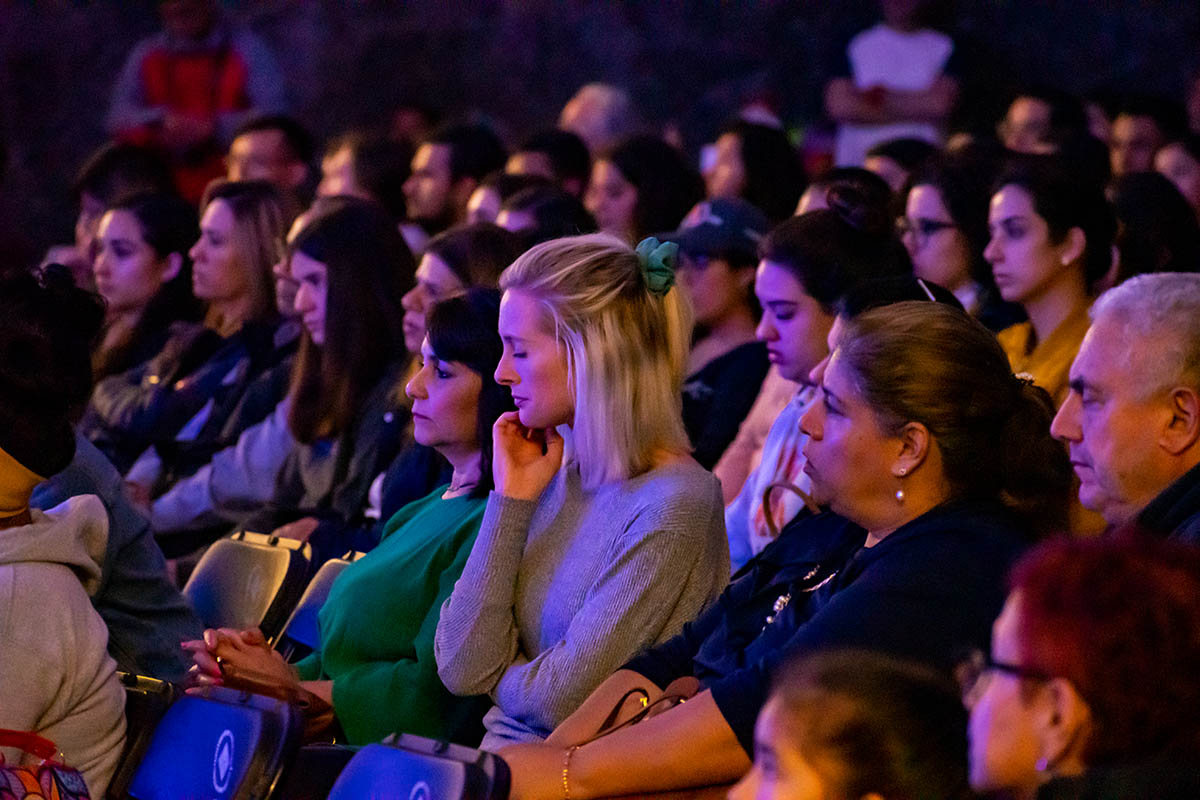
1042 765
899 495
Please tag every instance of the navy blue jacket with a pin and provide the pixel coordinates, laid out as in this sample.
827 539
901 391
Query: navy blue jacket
1175 513
925 592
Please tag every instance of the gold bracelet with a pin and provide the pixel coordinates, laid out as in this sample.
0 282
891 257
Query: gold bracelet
567 766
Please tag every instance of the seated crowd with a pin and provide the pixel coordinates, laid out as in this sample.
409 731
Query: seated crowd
661 479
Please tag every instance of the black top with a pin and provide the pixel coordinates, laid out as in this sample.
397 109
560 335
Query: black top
718 396
931 588
1175 513
1164 778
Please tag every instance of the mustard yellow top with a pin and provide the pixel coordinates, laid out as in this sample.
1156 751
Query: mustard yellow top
16 485
1048 361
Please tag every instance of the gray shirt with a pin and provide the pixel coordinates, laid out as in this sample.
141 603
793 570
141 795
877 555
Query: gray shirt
559 593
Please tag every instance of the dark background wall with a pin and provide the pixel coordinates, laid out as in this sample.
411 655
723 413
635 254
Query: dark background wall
348 62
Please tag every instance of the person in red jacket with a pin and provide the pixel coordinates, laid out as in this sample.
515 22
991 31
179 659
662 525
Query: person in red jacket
189 87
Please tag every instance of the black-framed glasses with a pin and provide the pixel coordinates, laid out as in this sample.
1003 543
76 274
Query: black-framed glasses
921 228
974 668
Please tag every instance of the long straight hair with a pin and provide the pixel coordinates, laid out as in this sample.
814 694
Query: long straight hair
368 269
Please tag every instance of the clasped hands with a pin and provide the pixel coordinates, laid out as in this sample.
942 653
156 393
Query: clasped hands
245 651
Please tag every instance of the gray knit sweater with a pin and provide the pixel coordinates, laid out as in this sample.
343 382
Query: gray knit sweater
559 593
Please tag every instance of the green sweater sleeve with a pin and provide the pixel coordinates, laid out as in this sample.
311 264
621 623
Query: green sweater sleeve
309 667
375 699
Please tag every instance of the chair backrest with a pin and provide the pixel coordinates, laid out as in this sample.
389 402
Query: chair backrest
146 701
411 767
302 634
219 743
249 580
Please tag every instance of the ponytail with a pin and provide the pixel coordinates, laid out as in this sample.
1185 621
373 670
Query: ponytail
1034 470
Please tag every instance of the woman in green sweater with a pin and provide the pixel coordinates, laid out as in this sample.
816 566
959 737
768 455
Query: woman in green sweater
375 663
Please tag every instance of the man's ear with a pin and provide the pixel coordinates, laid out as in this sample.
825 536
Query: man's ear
1183 430
174 265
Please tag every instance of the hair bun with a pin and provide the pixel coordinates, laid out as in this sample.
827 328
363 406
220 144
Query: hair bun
852 207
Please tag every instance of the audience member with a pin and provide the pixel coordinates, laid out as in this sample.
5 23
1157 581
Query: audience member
484 203
557 155
1090 688
1040 119
912 396
897 159
1132 418
188 88
807 265
375 662
1180 162
1143 124
351 268
601 115
231 272
898 80
586 554
446 169
641 188
143 272
111 172
873 189
273 148
59 680
718 244
856 724
758 164
1051 237
1157 230
542 213
945 228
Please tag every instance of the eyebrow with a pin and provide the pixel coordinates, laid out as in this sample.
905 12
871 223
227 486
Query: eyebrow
829 395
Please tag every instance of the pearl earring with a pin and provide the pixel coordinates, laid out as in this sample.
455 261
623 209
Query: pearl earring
899 495
1042 765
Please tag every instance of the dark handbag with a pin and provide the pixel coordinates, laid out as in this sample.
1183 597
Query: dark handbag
48 779
407 767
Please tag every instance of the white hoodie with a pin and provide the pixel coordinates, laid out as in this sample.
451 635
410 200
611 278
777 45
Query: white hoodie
56 677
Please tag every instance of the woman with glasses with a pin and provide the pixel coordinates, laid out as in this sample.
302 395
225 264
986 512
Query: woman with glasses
944 228
937 465
1091 689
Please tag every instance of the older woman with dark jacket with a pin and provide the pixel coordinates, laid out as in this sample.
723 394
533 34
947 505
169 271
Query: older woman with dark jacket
909 561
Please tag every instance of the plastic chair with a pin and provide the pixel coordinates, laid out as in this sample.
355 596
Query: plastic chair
249 580
146 701
407 767
219 743
302 634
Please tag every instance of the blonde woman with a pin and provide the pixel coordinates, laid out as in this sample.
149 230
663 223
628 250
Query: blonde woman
602 536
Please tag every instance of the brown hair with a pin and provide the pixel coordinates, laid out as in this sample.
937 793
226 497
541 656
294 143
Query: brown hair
933 364
872 724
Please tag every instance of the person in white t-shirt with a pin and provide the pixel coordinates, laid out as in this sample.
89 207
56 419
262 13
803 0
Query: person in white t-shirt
897 82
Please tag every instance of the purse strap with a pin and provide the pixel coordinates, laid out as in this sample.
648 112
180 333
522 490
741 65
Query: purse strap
31 743
809 503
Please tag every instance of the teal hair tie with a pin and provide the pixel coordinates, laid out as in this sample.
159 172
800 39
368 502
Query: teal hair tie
658 264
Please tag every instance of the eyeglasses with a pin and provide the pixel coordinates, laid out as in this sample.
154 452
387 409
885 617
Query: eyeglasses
921 228
973 670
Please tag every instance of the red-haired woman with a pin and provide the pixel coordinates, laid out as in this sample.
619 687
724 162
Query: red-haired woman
1091 687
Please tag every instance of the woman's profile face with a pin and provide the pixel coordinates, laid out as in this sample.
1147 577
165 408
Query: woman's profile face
533 364
217 269
727 176
940 253
312 292
611 199
435 282
849 456
1002 738
445 398
128 271
1025 262
780 771
793 324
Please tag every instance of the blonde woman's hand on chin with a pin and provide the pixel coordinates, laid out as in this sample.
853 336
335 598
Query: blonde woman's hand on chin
525 459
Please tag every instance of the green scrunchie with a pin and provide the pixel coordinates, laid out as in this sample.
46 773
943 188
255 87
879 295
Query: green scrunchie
658 264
